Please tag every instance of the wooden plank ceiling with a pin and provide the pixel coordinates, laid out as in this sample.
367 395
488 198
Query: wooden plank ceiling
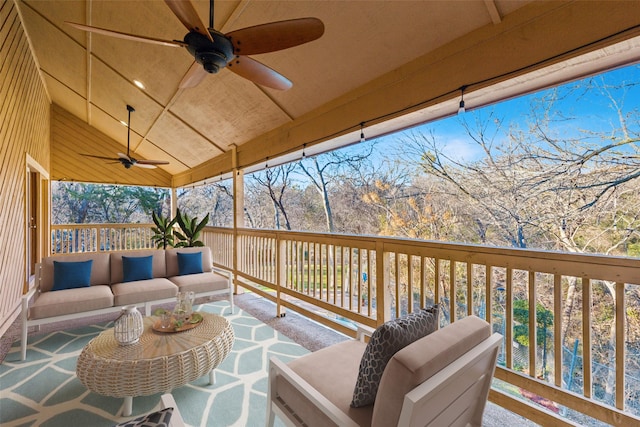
367 46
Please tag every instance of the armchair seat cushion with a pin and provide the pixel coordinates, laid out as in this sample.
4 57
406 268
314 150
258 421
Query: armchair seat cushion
71 301
332 371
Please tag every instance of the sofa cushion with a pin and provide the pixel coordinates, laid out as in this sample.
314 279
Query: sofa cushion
189 263
172 259
384 343
158 269
70 275
71 301
199 283
419 361
137 268
143 290
332 371
99 269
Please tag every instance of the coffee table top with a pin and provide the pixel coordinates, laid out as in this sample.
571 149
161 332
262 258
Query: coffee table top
158 362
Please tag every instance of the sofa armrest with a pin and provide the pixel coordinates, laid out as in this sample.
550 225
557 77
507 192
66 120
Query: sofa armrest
277 367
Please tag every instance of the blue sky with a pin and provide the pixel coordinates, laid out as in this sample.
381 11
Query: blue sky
588 110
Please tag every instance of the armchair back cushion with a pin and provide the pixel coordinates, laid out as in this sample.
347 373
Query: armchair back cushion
117 267
99 268
419 361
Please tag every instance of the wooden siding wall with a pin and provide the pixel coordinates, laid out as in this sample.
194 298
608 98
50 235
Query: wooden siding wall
71 137
24 129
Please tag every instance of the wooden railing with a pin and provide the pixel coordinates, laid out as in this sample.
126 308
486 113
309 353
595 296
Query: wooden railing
71 238
343 280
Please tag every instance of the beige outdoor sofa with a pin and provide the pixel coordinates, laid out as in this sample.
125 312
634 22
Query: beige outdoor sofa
442 379
108 293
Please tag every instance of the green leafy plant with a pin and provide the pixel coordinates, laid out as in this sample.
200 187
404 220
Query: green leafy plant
190 230
163 231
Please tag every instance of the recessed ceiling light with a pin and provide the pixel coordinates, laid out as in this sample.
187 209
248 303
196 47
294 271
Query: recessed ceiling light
138 83
123 122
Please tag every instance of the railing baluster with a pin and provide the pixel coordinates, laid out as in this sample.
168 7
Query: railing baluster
452 292
557 329
533 326
410 283
488 294
509 319
469 288
620 345
436 280
586 337
422 283
396 278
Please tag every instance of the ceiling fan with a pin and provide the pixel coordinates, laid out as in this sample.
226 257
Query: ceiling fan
214 50
126 159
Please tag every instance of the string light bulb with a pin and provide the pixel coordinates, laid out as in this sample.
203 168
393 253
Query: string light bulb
362 138
461 108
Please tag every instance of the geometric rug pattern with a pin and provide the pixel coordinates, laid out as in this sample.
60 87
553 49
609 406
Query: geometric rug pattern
44 391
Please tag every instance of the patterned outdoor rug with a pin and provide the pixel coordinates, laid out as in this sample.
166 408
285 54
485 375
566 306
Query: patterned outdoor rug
44 390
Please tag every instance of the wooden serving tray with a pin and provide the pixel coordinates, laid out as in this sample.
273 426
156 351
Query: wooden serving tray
157 326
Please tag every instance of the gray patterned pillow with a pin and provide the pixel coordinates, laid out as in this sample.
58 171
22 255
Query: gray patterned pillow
155 419
386 341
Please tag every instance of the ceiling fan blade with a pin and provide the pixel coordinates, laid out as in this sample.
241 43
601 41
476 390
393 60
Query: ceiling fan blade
144 165
152 162
100 157
123 156
126 36
275 35
193 77
259 73
187 14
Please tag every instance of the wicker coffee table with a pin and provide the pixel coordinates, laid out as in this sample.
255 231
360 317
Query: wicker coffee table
158 363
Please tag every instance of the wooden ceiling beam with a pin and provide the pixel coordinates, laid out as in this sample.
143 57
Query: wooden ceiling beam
493 11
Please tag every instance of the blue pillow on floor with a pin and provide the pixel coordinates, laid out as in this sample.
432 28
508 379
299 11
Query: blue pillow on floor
137 268
70 275
189 263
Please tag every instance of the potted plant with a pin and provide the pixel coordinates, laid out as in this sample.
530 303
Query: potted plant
163 231
190 230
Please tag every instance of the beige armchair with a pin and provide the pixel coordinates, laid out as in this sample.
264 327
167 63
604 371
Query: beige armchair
440 380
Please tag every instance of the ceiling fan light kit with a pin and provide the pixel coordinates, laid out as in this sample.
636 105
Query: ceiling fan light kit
212 55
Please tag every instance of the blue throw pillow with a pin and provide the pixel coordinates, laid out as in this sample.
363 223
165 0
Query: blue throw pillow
137 268
70 275
189 263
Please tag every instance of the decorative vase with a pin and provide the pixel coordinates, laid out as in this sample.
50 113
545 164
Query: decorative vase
128 327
